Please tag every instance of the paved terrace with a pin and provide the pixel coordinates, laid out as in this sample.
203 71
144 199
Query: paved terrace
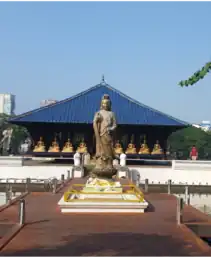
48 232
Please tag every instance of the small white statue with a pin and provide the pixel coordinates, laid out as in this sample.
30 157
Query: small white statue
77 159
5 142
123 159
138 177
24 148
86 158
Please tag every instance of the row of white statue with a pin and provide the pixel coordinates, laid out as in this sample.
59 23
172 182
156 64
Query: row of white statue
85 158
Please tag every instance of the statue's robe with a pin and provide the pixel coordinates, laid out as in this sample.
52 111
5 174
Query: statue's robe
104 124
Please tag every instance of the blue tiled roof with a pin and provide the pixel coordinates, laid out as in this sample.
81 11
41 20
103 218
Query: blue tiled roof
82 107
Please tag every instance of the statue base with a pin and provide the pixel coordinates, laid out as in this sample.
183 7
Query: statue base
104 168
102 196
104 173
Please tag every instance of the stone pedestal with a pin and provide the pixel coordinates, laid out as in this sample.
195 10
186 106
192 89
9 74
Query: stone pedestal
123 172
77 172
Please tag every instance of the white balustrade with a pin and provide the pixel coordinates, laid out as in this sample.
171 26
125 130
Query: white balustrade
77 159
123 158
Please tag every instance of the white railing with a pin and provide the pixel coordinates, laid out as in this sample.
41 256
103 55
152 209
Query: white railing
11 161
191 165
24 180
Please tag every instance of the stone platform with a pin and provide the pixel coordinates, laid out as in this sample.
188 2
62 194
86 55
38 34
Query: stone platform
120 199
154 233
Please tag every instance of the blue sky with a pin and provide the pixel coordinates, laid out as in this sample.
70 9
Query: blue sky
57 49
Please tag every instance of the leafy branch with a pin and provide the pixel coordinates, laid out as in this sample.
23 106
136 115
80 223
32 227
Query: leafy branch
200 74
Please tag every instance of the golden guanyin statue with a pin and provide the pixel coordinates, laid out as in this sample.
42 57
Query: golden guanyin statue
131 149
118 148
157 148
104 125
82 147
144 148
40 146
54 148
68 147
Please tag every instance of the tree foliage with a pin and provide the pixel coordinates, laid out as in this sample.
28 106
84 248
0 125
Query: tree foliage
200 74
183 140
19 133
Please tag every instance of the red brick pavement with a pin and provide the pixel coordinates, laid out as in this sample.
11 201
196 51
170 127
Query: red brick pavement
49 232
9 214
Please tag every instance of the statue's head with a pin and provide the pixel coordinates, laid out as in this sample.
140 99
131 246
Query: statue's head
106 103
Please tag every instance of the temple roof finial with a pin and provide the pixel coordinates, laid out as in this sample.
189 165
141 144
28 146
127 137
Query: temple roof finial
103 79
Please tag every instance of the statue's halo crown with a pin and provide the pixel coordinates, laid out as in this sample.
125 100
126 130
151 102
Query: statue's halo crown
106 96
106 100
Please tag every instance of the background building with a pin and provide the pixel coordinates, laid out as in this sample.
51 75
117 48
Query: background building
47 102
204 125
7 104
73 117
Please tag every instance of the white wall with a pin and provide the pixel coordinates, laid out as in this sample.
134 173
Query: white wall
162 175
38 172
197 175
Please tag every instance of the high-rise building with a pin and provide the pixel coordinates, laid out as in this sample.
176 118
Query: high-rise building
204 125
7 104
47 102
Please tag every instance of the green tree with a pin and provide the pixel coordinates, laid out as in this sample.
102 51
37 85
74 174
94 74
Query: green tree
183 140
19 132
3 122
200 74
18 136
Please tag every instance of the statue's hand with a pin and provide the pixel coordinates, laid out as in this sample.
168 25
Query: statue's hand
109 129
98 117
